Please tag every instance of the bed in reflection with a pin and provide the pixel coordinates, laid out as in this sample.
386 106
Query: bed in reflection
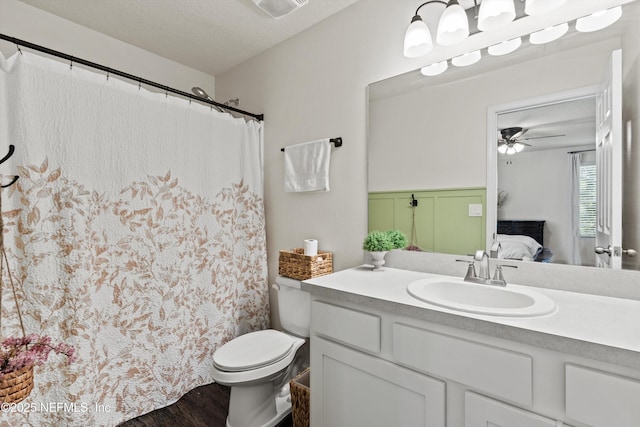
522 240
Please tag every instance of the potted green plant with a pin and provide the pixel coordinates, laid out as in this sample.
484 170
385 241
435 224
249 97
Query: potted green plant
398 239
378 243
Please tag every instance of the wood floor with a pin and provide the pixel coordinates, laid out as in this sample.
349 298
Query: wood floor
205 406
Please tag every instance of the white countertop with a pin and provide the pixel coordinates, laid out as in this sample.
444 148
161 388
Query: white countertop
592 326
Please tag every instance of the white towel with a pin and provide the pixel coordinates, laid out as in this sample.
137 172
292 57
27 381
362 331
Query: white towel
306 166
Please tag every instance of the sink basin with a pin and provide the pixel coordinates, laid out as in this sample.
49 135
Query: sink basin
456 294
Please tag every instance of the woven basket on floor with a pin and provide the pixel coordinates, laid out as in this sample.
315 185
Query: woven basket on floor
300 395
16 386
295 264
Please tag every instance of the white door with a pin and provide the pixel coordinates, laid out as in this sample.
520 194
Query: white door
609 166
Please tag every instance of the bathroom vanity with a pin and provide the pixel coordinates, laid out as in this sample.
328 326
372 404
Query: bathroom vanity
382 357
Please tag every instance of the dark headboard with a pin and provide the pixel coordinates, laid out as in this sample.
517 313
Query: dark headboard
533 229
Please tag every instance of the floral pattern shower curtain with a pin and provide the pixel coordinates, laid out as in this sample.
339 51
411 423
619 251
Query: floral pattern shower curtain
135 233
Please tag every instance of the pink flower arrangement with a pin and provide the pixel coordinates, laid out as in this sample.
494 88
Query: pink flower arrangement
16 353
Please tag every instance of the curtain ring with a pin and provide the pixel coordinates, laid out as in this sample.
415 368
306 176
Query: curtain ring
19 50
139 85
107 75
71 64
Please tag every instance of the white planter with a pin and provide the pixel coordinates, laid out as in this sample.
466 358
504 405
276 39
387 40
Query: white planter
377 258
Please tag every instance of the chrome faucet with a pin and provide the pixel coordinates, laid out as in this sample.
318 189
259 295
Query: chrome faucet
483 271
483 277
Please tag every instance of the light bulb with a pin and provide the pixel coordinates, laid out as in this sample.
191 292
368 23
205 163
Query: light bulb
417 39
536 7
453 27
505 47
502 148
598 20
495 14
511 150
549 34
467 59
518 147
434 69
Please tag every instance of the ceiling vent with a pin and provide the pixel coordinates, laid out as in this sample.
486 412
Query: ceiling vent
279 8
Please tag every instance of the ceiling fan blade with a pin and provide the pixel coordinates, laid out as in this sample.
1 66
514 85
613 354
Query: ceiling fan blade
541 137
518 135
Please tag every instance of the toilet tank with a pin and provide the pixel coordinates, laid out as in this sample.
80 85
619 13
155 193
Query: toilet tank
294 306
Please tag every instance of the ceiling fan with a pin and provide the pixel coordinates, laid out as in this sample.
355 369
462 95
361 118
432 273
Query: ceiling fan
511 140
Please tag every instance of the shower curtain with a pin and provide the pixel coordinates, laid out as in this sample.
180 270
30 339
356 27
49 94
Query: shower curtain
135 233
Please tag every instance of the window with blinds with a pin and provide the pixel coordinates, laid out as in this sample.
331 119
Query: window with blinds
588 200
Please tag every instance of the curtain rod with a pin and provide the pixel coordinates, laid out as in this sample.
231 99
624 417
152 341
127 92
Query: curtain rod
580 151
140 80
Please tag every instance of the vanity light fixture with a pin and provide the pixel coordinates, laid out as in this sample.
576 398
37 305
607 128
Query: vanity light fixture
549 34
434 69
536 7
453 28
505 47
598 20
495 14
467 59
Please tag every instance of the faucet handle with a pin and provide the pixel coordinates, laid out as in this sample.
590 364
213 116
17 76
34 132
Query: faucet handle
471 269
498 274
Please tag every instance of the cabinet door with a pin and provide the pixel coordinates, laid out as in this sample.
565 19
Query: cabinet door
480 411
352 389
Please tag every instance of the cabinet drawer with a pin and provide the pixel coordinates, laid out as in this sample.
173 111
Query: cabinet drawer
601 399
480 411
351 327
500 372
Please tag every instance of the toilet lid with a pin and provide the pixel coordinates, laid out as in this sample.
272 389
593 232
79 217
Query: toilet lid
253 350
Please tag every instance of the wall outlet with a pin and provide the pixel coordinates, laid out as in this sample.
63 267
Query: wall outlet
475 210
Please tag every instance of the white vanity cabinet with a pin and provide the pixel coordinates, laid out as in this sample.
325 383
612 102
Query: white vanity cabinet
353 388
370 367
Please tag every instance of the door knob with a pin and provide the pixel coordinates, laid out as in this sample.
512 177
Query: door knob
600 250
628 252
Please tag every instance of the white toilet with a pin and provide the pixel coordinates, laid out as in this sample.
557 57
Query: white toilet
259 365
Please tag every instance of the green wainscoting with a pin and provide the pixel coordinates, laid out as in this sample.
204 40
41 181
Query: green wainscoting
442 218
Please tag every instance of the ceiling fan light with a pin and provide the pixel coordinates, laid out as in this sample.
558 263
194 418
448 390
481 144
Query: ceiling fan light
549 34
502 149
435 69
505 47
536 7
417 39
598 20
518 147
453 27
495 14
469 58
511 150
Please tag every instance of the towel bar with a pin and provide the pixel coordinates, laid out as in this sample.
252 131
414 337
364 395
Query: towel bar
336 141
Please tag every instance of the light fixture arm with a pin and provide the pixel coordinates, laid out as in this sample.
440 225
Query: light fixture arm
428 2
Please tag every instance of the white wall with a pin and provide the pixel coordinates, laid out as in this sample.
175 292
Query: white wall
314 85
28 23
538 187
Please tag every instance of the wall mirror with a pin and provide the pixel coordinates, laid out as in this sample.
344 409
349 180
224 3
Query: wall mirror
436 133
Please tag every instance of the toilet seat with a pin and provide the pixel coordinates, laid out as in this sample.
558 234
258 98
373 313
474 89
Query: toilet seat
253 350
255 356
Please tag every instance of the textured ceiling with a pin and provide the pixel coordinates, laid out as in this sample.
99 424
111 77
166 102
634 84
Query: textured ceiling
212 36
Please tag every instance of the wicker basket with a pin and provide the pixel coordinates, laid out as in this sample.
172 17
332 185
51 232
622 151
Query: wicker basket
300 394
296 265
16 386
